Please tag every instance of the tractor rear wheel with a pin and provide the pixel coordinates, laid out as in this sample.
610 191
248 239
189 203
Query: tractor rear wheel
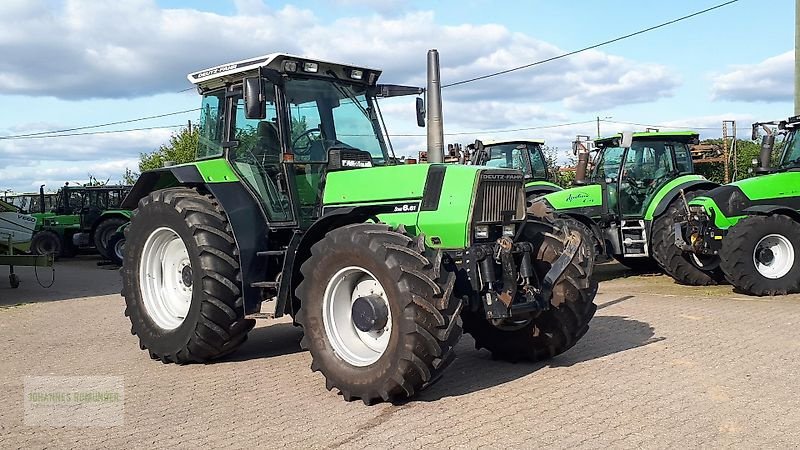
685 267
760 255
180 278
103 233
377 312
555 330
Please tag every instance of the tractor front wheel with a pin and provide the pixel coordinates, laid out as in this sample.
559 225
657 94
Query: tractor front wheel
180 278
759 255
46 242
685 267
116 248
558 328
103 233
377 312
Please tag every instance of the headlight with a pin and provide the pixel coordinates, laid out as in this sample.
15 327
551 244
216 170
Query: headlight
509 230
482 232
310 67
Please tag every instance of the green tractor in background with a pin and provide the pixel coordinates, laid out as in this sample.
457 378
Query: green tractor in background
637 184
295 206
749 230
83 216
32 202
519 154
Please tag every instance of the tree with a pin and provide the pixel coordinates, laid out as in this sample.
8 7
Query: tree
181 148
563 179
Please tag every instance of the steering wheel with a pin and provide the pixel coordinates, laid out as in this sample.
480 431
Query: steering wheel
304 151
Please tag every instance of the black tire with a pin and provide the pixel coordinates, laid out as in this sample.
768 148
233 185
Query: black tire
739 248
214 325
47 242
641 265
590 241
116 245
672 260
555 330
103 232
423 311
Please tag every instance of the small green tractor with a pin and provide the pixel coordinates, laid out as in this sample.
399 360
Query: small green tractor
628 201
83 216
749 230
520 154
295 206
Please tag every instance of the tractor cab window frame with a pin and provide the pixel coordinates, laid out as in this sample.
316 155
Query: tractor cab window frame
790 159
211 128
538 162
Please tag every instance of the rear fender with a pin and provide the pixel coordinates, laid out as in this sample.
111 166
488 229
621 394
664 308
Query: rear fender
675 192
244 213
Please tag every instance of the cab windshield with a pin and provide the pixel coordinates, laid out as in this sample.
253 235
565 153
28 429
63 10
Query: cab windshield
791 155
327 115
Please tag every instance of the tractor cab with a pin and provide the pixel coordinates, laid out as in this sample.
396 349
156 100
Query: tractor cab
523 154
283 122
634 175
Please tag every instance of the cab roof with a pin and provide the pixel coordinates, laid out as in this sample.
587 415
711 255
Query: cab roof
514 141
220 75
651 135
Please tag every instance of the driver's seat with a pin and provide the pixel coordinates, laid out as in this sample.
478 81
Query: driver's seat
268 144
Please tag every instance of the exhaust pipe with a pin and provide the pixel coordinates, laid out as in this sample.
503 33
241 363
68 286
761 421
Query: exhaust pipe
765 157
434 114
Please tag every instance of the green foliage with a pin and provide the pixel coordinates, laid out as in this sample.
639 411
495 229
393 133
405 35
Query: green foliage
747 151
563 179
180 149
299 126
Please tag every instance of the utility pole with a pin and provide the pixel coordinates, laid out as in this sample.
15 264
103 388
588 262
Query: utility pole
797 57
598 118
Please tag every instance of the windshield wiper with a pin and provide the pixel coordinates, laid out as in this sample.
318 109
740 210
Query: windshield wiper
349 95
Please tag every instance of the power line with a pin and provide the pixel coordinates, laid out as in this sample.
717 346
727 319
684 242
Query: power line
87 127
467 133
591 47
92 133
657 126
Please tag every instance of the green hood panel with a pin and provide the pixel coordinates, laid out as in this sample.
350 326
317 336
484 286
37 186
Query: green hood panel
217 170
376 184
776 185
534 184
448 224
576 197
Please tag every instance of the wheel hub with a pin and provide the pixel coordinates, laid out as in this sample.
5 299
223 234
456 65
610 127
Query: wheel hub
370 313
766 256
186 276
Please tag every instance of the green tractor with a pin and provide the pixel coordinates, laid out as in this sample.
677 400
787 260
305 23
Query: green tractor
749 230
83 216
520 154
295 206
32 203
637 183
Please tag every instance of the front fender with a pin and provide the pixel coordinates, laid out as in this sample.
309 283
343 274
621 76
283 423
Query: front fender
664 199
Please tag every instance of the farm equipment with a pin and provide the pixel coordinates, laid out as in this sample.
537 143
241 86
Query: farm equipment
636 185
32 203
83 216
750 229
295 206
525 155
16 230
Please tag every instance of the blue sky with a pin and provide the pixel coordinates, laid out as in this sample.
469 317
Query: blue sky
75 63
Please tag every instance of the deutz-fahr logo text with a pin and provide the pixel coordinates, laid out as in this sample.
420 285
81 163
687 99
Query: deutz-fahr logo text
216 70
355 163
406 207
501 176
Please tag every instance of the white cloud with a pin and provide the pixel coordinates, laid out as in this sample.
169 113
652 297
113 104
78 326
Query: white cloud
770 80
134 48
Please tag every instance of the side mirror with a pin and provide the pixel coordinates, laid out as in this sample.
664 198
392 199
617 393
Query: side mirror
420 112
627 139
255 104
754 136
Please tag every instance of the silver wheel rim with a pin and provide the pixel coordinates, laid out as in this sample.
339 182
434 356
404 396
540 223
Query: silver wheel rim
782 260
354 346
163 268
119 249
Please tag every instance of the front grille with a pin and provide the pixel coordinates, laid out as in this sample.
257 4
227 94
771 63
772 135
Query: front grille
498 198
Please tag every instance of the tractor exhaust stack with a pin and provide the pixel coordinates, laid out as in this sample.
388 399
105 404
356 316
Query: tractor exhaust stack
434 114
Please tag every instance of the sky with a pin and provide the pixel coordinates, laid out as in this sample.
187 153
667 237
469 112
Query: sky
78 63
